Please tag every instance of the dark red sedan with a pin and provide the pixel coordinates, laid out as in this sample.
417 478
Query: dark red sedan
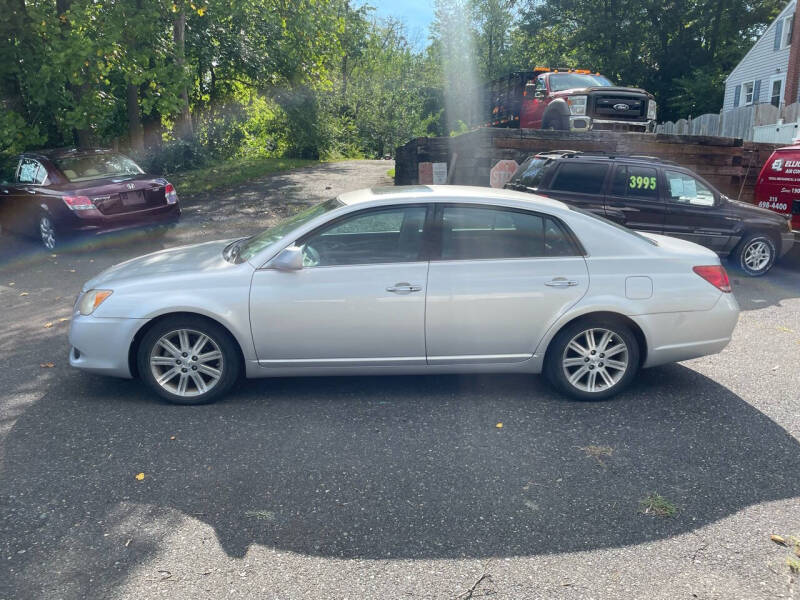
58 194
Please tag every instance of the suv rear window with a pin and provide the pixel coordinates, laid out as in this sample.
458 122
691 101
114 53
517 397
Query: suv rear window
580 178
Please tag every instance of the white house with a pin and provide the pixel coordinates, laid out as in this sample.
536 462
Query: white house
761 76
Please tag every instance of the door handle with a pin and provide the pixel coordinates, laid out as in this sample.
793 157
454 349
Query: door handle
561 282
403 288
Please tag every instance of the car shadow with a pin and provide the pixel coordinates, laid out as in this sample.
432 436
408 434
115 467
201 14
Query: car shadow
400 467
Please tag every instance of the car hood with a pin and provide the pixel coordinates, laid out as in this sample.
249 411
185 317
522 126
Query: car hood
755 211
197 258
612 89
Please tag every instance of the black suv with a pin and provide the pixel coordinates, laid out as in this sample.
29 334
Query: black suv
658 196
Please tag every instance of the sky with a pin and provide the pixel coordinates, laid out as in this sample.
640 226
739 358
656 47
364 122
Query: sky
416 14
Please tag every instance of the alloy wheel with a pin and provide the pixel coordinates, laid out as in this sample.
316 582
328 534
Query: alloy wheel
757 255
595 360
47 232
186 362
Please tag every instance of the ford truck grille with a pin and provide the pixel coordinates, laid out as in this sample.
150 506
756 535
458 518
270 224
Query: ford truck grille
619 108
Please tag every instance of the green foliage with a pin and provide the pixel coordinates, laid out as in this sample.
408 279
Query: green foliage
180 83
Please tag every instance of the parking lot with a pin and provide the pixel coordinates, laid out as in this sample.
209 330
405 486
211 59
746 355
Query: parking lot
396 487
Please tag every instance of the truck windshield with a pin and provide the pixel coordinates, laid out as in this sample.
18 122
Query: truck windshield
569 81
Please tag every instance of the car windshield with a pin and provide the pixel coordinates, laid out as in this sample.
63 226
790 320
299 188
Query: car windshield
529 175
568 81
246 248
85 167
615 225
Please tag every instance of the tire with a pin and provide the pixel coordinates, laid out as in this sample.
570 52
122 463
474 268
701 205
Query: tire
555 121
47 233
191 372
559 372
755 254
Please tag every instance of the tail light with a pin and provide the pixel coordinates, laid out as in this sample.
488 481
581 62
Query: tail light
79 203
716 276
170 194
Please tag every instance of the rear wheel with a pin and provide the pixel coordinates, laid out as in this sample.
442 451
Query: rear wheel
47 232
593 359
756 254
188 360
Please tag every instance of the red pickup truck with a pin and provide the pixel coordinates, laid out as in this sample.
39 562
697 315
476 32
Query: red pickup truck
564 100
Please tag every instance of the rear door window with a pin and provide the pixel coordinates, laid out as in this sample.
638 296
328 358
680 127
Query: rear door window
480 233
635 182
580 178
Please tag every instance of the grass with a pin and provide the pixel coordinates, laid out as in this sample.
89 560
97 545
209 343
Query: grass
656 504
390 173
231 172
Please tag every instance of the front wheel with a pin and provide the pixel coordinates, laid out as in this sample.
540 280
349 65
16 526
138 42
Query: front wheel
756 254
593 359
188 360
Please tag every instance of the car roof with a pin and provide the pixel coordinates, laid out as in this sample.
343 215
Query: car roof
604 156
450 193
54 153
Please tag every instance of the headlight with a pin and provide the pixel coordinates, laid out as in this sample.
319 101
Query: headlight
651 110
577 105
91 300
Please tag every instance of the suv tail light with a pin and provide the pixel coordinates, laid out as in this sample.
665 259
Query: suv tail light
716 276
170 194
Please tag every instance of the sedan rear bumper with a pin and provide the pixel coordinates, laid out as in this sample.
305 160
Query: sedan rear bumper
680 336
161 216
101 345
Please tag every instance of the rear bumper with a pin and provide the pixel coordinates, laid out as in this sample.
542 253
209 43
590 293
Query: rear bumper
164 215
680 336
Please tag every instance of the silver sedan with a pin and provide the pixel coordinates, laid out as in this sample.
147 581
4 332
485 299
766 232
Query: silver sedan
426 279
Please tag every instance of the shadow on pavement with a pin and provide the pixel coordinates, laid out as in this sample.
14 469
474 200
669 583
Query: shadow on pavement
401 467
781 283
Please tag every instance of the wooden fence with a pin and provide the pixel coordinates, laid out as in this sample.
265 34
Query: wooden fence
741 122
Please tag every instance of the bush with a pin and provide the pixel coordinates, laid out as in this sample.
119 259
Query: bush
173 156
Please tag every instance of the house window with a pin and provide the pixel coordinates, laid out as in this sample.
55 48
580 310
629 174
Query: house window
747 88
776 91
786 32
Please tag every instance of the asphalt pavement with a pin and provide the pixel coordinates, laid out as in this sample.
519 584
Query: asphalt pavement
390 487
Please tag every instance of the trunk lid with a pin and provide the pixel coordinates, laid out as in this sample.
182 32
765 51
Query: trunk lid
121 195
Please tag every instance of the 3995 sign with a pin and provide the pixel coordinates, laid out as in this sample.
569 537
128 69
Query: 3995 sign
642 183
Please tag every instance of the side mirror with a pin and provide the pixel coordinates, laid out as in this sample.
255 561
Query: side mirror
530 90
289 259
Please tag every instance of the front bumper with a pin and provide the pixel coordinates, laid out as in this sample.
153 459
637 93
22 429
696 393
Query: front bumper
585 123
787 241
101 345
